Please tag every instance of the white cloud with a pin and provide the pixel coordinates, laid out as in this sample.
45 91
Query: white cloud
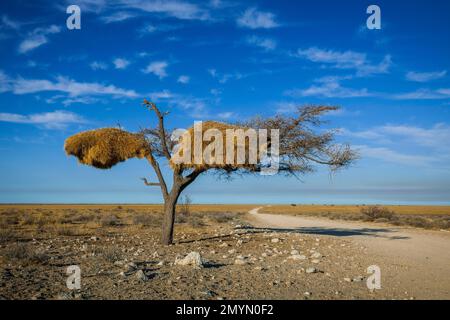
51 120
118 17
226 115
423 94
120 63
11 24
328 87
223 78
98 65
158 68
65 85
434 138
265 43
286 107
183 79
389 155
346 60
254 19
151 28
37 38
172 8
425 76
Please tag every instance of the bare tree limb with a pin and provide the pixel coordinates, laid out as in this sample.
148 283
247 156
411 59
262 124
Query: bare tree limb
150 183
161 129
162 182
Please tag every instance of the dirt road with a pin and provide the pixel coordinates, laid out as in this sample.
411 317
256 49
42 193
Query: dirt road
414 260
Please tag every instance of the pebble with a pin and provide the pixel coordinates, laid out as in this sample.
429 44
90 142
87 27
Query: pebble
311 270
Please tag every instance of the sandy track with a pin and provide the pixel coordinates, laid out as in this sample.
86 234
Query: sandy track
415 260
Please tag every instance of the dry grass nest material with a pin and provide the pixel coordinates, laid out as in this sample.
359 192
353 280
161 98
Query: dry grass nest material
104 148
222 127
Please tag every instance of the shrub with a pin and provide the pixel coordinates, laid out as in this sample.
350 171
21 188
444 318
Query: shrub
196 221
110 220
147 220
112 254
222 217
7 235
184 205
65 231
374 212
21 251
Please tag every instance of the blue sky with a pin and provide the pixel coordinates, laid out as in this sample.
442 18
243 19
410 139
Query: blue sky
226 60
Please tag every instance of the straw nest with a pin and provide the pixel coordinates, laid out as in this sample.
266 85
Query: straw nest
214 161
104 148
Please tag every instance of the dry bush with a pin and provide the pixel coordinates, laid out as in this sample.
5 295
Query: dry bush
181 218
184 205
21 251
195 221
111 220
373 213
111 254
222 217
147 220
28 219
10 220
7 235
65 231
76 218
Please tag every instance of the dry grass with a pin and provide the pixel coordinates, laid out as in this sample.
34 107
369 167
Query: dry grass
21 251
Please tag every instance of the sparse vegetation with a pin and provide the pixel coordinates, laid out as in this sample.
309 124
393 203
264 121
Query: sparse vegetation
222 217
21 251
147 220
374 213
111 220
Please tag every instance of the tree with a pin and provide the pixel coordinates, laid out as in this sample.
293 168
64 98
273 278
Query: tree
300 147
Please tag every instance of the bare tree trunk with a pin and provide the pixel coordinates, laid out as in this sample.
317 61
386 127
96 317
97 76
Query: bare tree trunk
169 215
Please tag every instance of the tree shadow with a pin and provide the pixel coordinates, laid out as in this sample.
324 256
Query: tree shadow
335 232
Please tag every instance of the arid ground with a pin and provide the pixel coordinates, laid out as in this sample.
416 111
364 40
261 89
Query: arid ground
248 252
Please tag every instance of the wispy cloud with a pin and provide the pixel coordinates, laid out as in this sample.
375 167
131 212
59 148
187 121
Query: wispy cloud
224 77
10 23
58 119
158 68
346 60
98 65
118 16
328 87
120 63
389 155
171 8
226 115
423 94
152 28
425 76
183 79
267 44
37 38
63 84
254 19
390 138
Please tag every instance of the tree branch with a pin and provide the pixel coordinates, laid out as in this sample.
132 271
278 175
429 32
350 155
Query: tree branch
150 183
161 129
162 182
